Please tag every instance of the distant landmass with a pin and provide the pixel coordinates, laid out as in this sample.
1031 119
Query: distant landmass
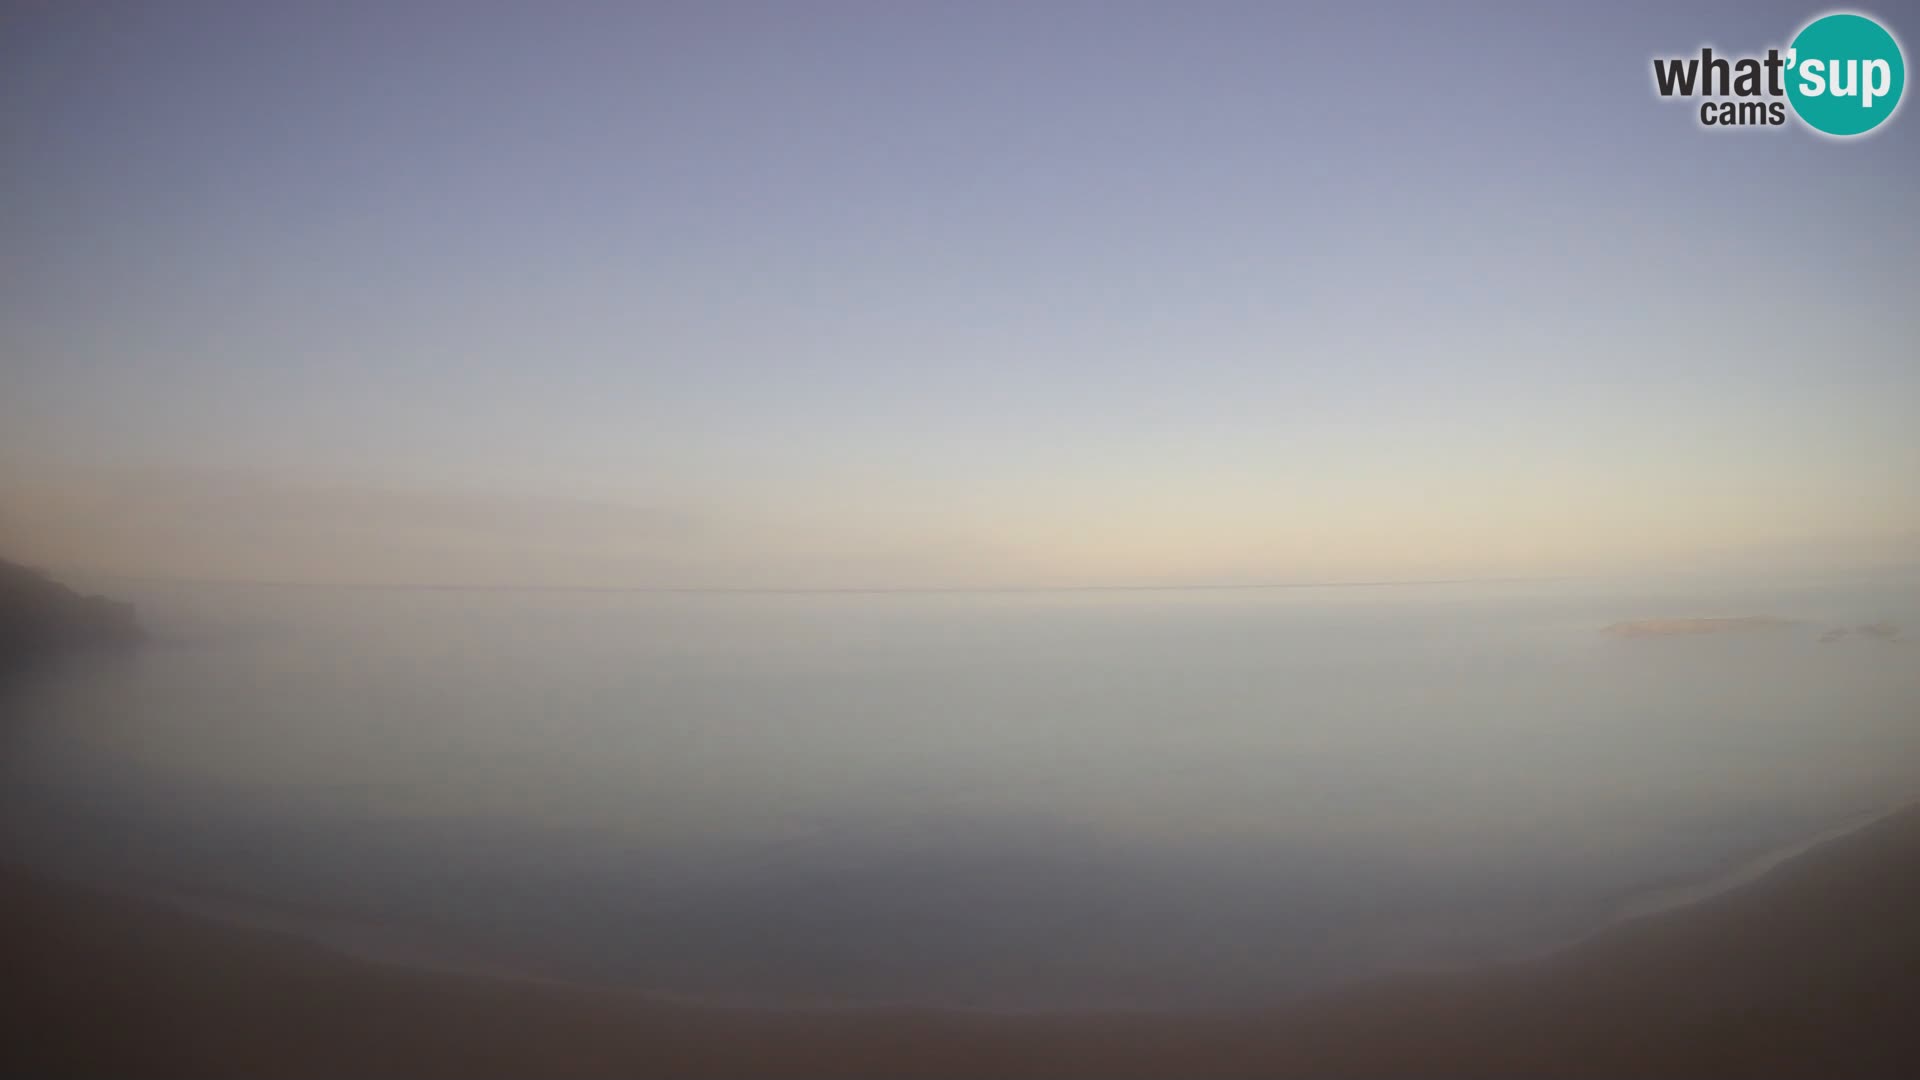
40 617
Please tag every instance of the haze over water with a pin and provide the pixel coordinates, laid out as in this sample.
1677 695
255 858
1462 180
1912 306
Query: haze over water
1002 800
780 312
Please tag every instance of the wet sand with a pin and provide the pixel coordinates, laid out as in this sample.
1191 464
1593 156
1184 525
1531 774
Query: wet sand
1811 970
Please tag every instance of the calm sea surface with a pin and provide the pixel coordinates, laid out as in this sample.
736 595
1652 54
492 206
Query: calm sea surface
1021 800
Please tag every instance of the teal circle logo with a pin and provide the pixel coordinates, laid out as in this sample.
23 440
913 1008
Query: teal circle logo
1845 74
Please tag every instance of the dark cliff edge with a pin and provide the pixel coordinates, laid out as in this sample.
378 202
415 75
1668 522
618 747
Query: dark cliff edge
40 617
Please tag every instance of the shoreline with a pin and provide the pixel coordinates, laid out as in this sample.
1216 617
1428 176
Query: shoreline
403 952
1811 969
1649 902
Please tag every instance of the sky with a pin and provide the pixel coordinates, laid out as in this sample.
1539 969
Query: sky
900 295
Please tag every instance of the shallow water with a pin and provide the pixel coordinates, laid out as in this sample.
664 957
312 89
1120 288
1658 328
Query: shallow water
1015 800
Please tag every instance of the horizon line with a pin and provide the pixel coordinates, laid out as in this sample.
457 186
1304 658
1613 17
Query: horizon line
828 590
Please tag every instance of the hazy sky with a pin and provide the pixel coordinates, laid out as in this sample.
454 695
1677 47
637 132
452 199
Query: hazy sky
819 294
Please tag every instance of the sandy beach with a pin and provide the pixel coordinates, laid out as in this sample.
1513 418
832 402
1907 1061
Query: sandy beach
1810 970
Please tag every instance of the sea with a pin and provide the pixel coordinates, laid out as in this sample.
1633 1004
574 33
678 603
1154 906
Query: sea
1157 799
